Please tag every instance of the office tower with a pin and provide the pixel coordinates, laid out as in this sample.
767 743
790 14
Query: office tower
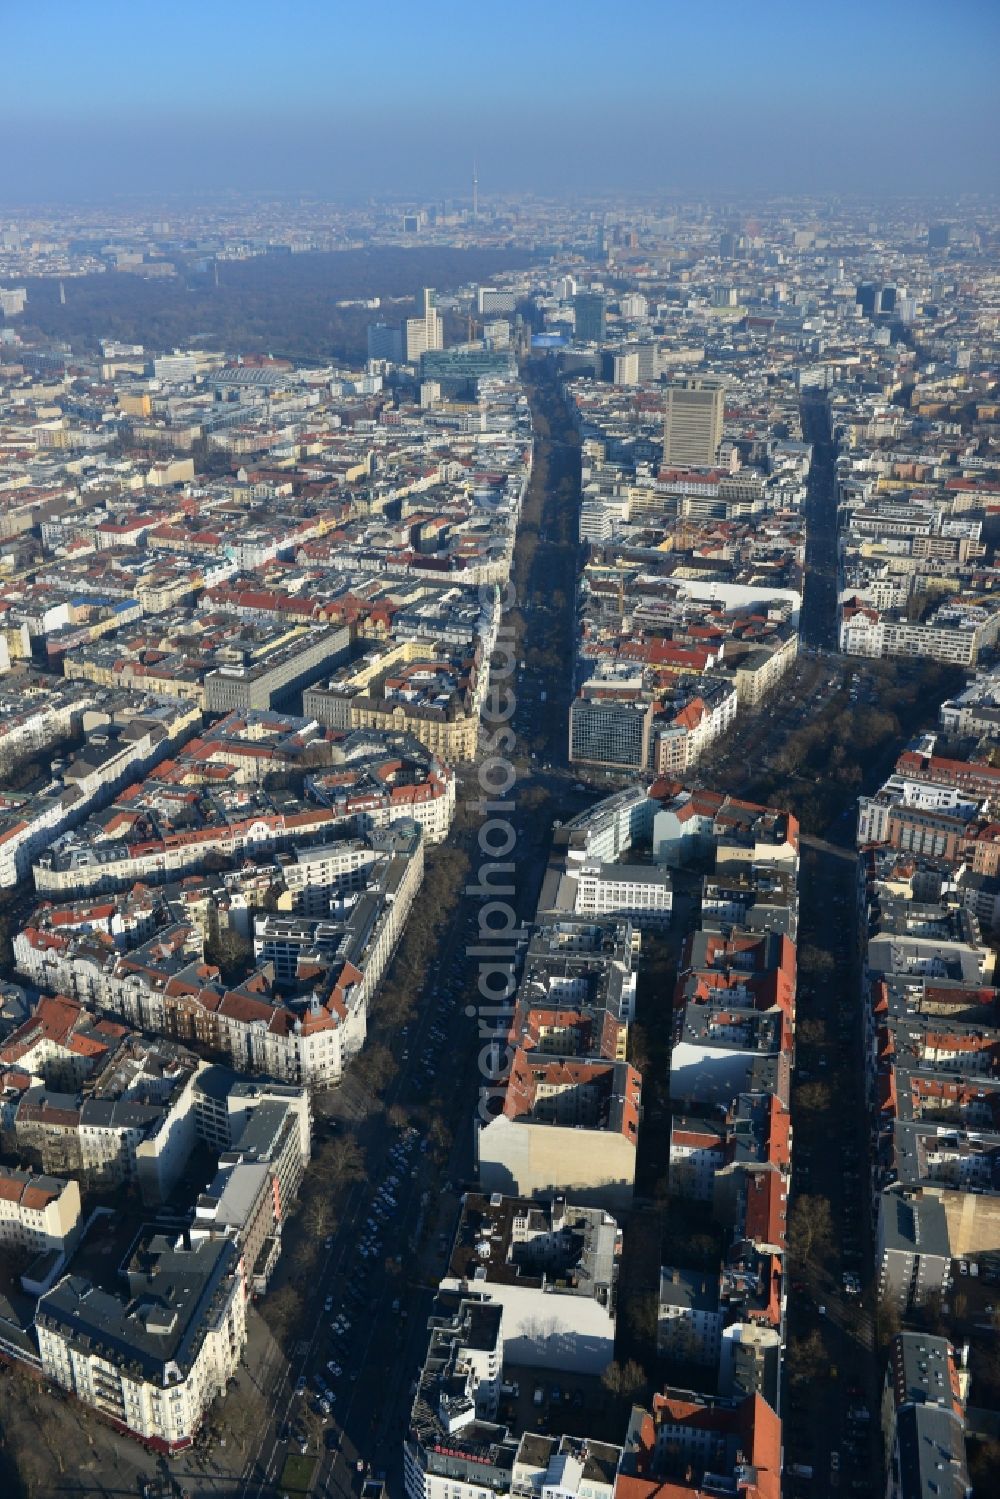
887 299
610 731
692 422
426 330
939 237
492 299
600 245
648 357
385 342
866 297
589 308
728 243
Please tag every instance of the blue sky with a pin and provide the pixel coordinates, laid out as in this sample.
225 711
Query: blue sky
99 96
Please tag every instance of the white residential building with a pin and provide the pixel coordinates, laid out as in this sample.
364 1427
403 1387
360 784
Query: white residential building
152 1355
37 1213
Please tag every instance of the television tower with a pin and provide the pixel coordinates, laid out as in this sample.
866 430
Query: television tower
475 192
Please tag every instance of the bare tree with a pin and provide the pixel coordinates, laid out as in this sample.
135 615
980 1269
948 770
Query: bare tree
375 1067
624 1381
814 1098
807 1358
282 1310
810 1229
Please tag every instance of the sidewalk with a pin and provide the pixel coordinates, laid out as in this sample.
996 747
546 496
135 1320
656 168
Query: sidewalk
61 1447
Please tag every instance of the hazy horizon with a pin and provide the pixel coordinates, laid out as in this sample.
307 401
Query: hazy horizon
109 100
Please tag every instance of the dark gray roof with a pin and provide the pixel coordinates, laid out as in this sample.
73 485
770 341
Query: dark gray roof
932 1460
160 1318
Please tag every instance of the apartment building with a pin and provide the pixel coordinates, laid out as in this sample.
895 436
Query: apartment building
553 1267
454 1444
415 687
689 1318
923 1419
687 1444
38 1214
141 732
131 1119
564 1125
151 1351
332 966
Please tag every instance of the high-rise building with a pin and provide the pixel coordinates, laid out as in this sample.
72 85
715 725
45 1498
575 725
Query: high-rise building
866 297
385 342
494 299
939 237
426 330
610 731
634 306
12 300
624 367
692 422
590 310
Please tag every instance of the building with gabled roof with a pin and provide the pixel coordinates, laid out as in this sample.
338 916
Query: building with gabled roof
923 1419
688 1446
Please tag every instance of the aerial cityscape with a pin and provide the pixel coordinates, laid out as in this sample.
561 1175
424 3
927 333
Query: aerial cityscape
499 763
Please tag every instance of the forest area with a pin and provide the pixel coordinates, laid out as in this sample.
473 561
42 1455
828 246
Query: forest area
283 305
